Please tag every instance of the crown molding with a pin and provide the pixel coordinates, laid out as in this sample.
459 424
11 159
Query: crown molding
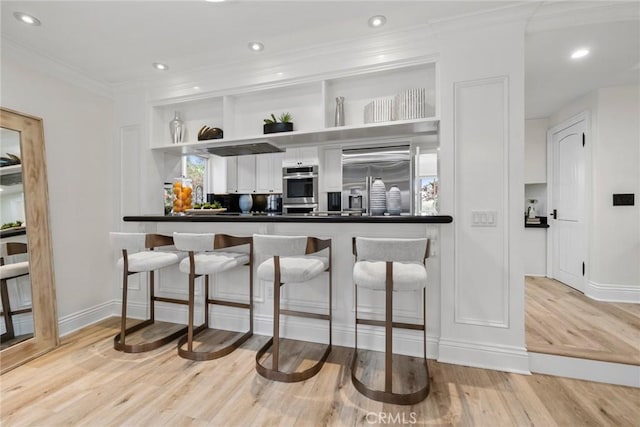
563 14
38 61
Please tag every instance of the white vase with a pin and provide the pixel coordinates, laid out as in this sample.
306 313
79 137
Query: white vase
245 202
378 197
394 206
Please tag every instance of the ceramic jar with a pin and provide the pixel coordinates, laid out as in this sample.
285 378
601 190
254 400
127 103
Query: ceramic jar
245 202
394 206
378 197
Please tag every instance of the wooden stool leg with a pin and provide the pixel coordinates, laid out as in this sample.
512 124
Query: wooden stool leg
6 311
388 346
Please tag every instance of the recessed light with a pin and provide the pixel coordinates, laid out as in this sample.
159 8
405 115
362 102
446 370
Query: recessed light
26 18
279 74
161 67
580 53
196 88
256 46
377 21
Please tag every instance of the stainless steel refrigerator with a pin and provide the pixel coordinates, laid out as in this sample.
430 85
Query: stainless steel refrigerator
361 166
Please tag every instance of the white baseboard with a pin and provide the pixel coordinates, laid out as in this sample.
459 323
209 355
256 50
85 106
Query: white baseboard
486 356
75 321
536 274
613 292
583 369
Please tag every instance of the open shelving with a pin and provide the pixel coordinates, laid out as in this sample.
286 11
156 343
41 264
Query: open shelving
240 113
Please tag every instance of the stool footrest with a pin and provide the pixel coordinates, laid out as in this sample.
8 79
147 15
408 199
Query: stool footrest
229 303
388 396
288 377
416 327
147 346
210 355
305 314
170 300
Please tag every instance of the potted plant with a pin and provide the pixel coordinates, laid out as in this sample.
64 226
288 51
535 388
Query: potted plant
279 124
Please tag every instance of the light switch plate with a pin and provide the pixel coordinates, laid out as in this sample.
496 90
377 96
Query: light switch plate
484 218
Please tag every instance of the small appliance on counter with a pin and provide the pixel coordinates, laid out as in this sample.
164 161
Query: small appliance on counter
274 203
355 199
334 201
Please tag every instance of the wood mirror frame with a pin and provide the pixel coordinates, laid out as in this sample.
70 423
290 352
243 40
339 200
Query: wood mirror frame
43 297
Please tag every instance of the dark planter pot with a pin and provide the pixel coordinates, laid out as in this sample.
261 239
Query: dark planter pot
278 127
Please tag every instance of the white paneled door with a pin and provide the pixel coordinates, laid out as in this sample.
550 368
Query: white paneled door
569 215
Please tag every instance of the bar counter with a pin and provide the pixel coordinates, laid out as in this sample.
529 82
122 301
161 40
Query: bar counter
300 218
311 296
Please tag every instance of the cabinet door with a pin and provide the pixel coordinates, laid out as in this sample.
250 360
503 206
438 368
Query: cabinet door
291 157
247 174
308 156
332 169
269 173
232 174
276 171
264 182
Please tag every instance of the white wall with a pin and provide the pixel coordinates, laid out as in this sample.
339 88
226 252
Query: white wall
616 169
535 150
78 129
481 158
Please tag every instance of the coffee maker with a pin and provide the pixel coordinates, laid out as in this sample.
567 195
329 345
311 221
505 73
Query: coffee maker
355 199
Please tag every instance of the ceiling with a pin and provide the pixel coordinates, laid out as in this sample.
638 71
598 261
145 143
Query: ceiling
114 42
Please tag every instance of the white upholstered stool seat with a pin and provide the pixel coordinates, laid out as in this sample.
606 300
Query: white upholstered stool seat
9 271
15 269
214 262
206 257
294 269
290 259
139 255
150 260
406 276
390 265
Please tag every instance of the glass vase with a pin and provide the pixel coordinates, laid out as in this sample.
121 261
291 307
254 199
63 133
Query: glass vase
339 111
176 128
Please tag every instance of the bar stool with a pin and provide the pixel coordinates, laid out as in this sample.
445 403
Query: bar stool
290 261
390 265
205 258
139 262
8 272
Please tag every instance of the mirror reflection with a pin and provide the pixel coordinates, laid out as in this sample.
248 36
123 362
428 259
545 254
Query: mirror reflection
16 321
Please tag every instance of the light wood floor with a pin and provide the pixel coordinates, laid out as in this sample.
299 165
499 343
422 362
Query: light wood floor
560 320
86 383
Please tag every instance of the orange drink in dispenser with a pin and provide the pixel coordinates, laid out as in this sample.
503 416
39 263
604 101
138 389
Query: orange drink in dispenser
183 195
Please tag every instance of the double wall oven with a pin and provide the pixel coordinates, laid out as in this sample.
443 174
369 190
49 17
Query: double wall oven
300 189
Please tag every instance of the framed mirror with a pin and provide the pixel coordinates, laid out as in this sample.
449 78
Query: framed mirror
26 171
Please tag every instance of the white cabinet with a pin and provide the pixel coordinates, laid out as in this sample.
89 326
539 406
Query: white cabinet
246 174
260 173
232 174
269 173
331 171
300 156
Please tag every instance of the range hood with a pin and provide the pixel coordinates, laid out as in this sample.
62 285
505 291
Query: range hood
243 149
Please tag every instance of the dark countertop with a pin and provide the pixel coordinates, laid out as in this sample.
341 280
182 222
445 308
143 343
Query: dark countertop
233 217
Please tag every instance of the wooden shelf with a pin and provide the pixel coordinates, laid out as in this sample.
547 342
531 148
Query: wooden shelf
280 141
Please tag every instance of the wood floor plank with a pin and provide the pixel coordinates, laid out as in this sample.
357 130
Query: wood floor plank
86 382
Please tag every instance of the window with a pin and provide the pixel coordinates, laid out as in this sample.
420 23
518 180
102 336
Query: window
195 169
